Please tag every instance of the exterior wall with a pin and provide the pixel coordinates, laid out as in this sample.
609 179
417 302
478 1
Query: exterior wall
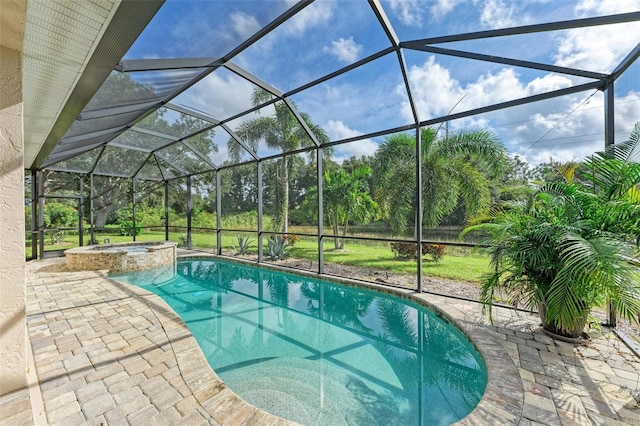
13 335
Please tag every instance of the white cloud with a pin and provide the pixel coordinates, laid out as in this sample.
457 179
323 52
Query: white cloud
317 13
219 157
346 50
408 11
442 7
565 128
337 130
563 135
412 12
367 105
606 7
436 91
497 14
205 96
244 25
599 48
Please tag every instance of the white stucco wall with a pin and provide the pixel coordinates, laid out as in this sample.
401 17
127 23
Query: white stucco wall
13 336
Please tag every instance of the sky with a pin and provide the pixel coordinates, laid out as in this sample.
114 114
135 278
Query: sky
328 35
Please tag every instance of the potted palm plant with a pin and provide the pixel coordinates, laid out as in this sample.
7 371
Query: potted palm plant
566 251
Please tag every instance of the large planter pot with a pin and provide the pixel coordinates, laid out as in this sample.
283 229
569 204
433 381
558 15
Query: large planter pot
574 332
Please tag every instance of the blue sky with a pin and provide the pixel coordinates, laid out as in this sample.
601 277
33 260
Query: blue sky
328 35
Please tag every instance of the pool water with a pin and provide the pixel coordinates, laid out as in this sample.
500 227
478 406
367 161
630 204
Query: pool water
131 249
320 353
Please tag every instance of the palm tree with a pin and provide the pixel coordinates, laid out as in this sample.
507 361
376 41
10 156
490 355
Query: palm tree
567 250
454 170
281 131
345 198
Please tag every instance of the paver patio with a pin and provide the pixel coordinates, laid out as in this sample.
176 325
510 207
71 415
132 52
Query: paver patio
110 353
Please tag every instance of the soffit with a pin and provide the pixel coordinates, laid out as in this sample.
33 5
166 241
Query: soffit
60 37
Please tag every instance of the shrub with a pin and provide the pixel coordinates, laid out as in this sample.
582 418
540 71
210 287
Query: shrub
436 251
243 245
290 239
150 216
408 250
245 220
125 223
299 217
204 220
404 250
277 247
127 229
58 215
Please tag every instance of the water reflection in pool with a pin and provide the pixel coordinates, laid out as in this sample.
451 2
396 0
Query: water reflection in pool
321 353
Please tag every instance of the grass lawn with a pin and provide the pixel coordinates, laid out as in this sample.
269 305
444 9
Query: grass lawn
457 264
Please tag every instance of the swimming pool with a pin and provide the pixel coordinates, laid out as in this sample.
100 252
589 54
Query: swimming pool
321 353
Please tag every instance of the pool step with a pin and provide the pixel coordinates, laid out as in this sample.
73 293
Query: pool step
308 392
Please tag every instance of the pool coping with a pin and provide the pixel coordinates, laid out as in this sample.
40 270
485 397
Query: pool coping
503 398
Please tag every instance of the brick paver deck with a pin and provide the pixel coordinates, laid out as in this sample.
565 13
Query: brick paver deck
110 353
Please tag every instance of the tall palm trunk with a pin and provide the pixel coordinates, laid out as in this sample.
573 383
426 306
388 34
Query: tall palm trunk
285 195
344 231
336 240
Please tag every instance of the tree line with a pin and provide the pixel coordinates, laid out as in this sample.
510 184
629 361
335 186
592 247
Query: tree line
463 174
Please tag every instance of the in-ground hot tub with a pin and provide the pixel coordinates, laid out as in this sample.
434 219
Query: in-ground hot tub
122 257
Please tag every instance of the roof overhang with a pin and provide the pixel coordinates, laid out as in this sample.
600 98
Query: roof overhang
67 55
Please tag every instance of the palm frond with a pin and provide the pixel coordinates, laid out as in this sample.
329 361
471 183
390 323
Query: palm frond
453 170
260 96
440 192
625 151
251 132
474 188
625 299
481 145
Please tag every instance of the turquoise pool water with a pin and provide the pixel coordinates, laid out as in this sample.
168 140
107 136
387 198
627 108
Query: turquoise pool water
321 353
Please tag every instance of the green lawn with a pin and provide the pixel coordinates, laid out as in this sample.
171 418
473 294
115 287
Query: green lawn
455 265
459 264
